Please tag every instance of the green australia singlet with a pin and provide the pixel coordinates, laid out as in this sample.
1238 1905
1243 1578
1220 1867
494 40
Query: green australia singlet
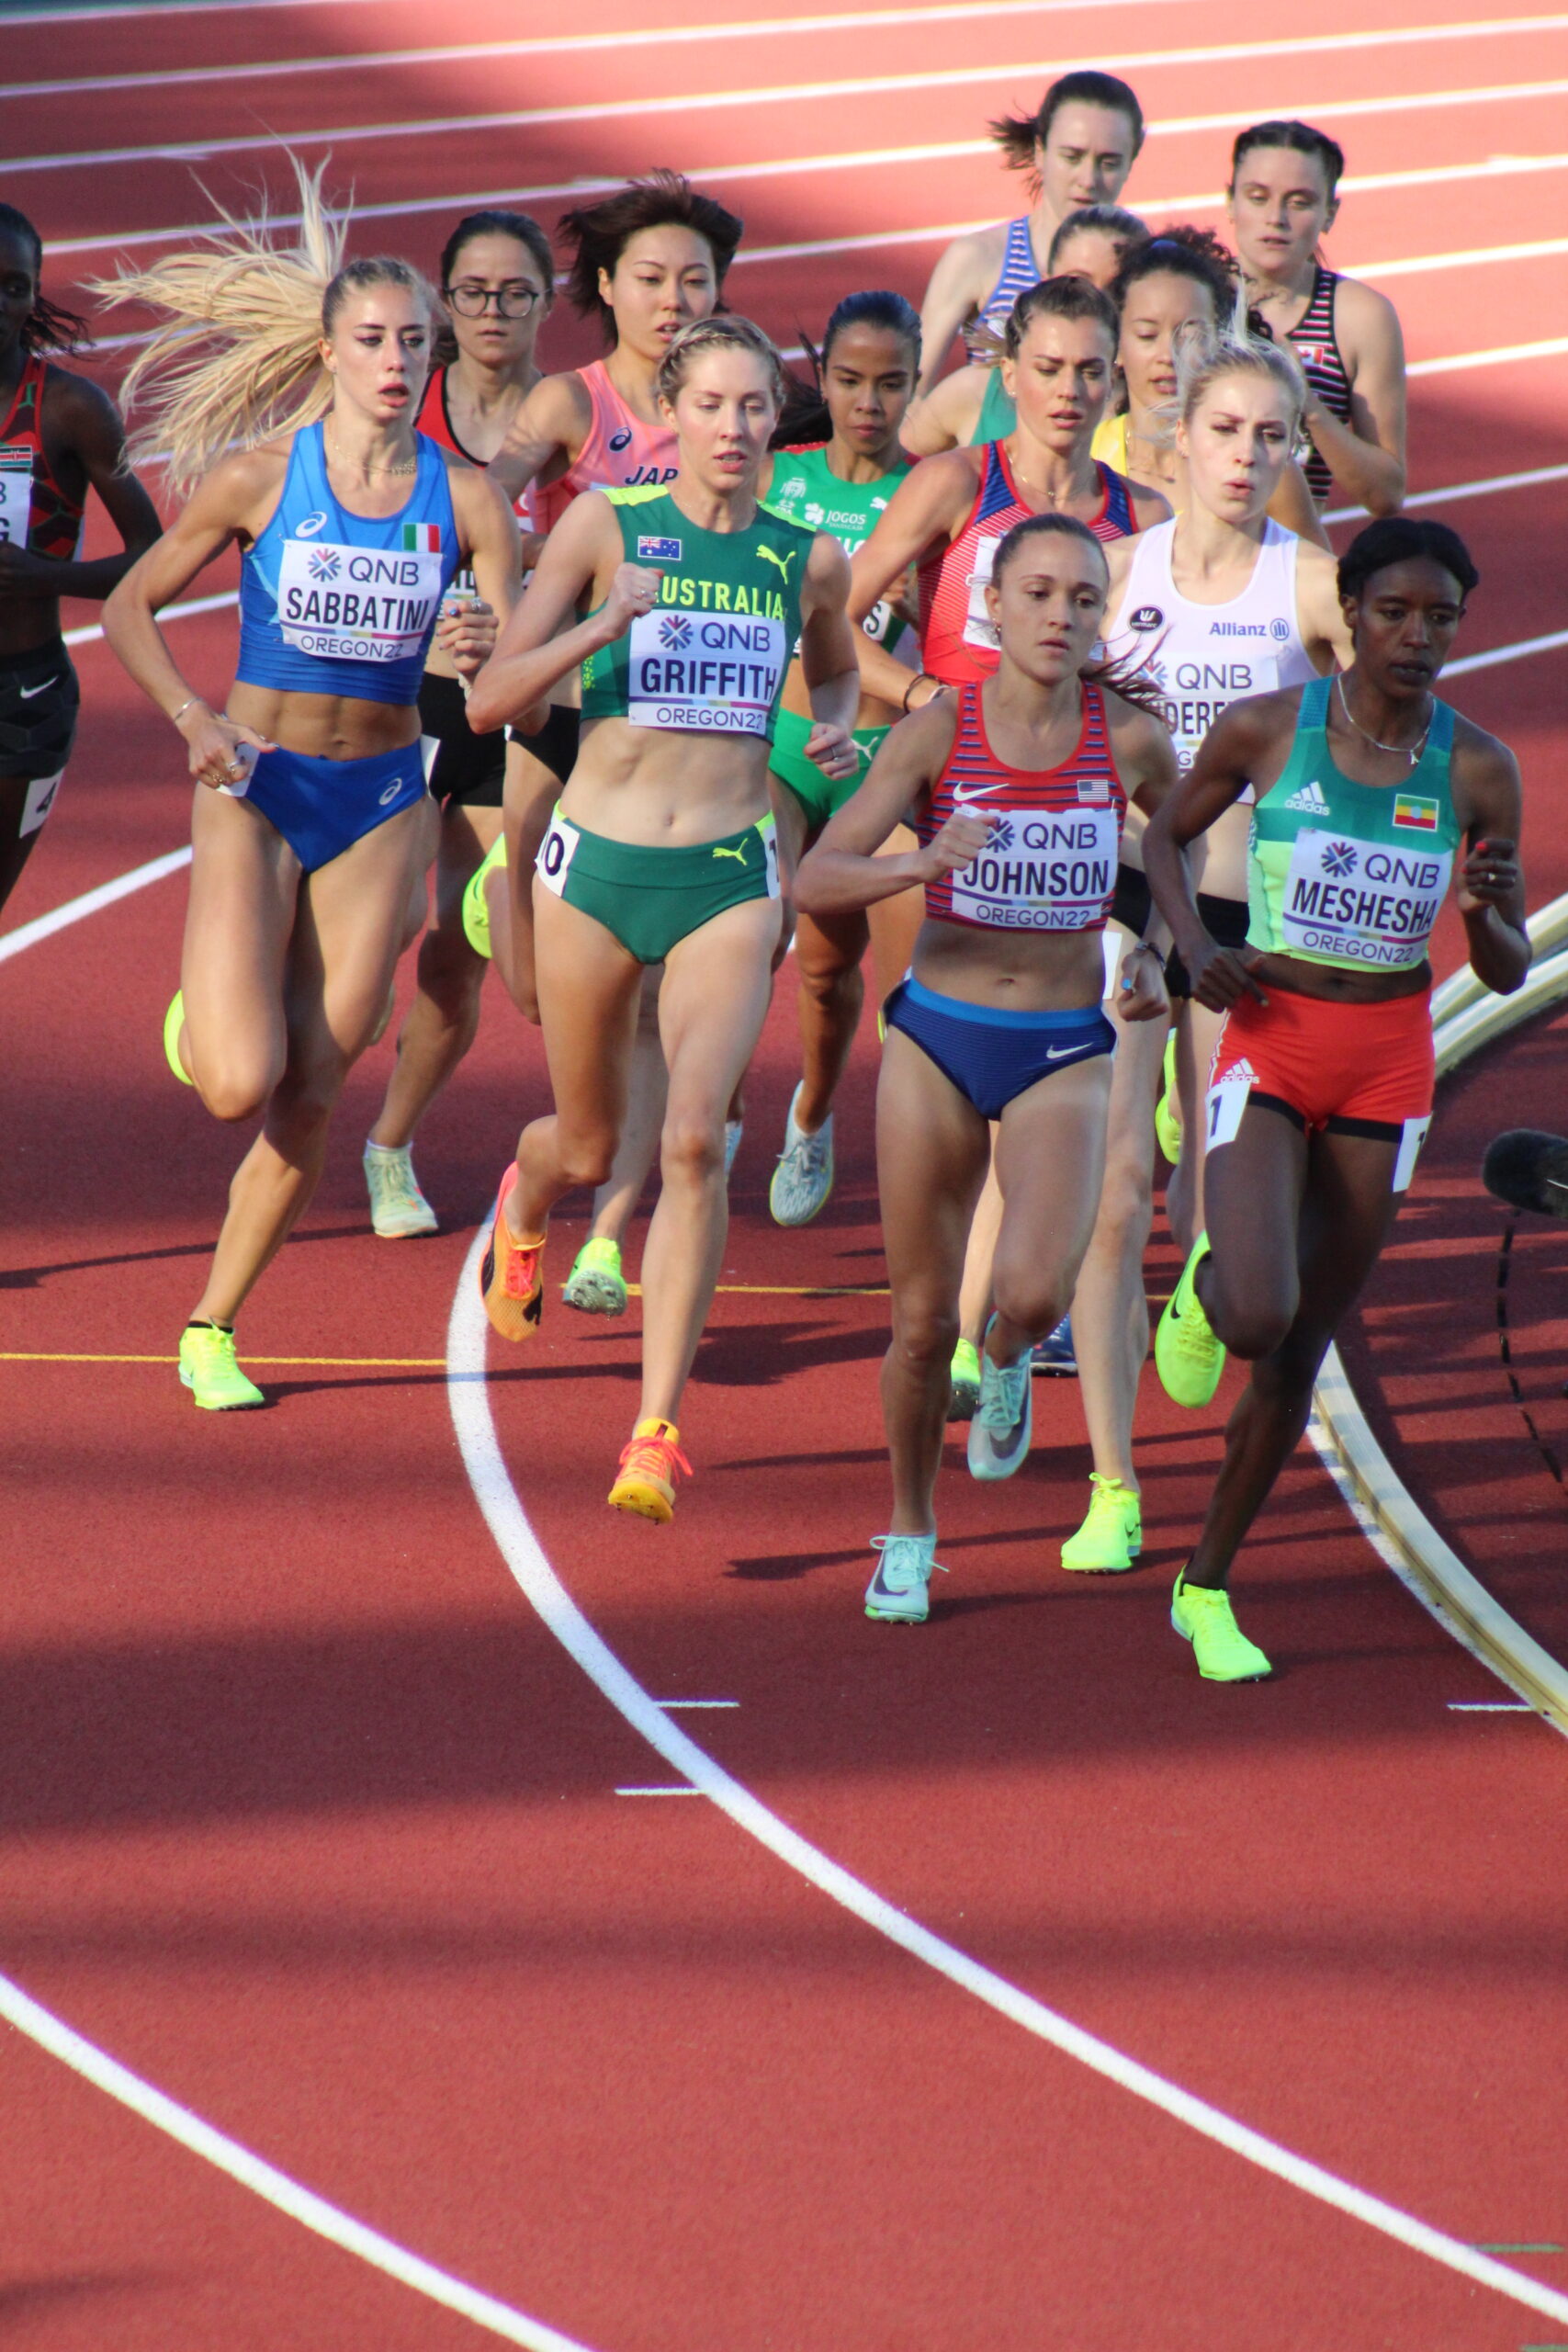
710 658
1345 873
805 489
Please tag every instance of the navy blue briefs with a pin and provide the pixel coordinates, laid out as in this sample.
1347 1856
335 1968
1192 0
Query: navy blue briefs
993 1056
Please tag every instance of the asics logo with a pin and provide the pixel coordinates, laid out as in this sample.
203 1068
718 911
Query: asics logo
781 561
738 854
391 794
310 526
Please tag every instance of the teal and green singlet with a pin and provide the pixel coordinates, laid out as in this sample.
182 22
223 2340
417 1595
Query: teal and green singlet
1351 873
805 490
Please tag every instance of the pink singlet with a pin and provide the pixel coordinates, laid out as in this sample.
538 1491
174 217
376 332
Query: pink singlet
620 450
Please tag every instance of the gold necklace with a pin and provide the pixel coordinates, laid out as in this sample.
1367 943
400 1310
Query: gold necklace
409 467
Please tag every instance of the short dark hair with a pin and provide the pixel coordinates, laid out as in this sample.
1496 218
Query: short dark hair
1301 139
1018 135
601 232
1059 297
1398 539
46 327
1064 526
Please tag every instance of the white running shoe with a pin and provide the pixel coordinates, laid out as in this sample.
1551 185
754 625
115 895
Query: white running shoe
804 1177
897 1591
399 1209
999 1432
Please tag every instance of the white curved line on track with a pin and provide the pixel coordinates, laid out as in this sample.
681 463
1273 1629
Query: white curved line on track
253 2172
468 1394
814 93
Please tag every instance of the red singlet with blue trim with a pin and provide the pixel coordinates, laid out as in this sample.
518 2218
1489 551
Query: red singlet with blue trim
957 641
1050 864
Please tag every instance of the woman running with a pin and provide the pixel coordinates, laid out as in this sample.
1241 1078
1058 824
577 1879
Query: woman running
662 848
1020 783
646 261
1218 605
309 828
1366 787
973 404
497 284
842 484
1173 295
60 437
1283 199
1077 150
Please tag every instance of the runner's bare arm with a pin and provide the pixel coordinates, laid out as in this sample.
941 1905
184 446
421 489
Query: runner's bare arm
1488 799
946 417
1294 507
1320 616
952 297
544 435
530 658
921 512
91 428
1367 456
827 650
487 535
1235 751
843 872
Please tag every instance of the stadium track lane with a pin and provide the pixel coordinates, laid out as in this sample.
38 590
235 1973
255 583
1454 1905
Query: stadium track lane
203 1752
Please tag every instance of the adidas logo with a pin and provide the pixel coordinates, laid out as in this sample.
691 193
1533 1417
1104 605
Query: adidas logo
1309 800
1239 1073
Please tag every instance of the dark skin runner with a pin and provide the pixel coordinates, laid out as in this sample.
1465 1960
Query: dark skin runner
1297 1221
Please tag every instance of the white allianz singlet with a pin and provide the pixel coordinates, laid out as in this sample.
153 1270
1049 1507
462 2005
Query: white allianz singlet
1204 657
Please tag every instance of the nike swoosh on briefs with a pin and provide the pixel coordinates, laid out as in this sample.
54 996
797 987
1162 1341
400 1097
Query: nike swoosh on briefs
25 693
1060 1053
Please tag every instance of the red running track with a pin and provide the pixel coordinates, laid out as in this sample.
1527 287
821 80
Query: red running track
310 1820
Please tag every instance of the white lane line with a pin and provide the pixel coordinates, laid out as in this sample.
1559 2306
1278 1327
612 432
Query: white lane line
1502 355
685 1706
277 2188
901 21
469 1398
851 159
1490 1707
1445 497
42 927
159 9
660 1790
1501 653
1471 258
791 93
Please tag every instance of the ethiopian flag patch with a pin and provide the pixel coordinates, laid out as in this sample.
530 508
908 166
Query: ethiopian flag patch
1417 815
424 538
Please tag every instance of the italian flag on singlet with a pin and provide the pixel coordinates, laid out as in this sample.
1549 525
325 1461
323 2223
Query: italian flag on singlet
421 539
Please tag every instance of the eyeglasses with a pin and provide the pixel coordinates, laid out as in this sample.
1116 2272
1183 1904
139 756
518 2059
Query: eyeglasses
513 301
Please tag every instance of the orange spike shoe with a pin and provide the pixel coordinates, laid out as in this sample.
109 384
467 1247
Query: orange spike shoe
510 1281
646 1485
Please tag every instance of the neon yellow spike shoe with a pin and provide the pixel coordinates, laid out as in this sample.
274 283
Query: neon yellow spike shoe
210 1370
476 906
1112 1534
1188 1357
174 1022
965 1393
596 1284
1205 1617
1168 1111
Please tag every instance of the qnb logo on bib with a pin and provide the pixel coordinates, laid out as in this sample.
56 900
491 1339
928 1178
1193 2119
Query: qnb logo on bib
1195 692
709 673
1041 870
348 604
1361 902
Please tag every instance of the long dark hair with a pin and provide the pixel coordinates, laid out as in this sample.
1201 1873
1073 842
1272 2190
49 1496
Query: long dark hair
599 234
806 417
46 327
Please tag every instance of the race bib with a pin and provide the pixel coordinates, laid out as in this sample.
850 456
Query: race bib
15 495
1041 870
41 794
556 852
979 627
1361 902
1194 694
346 604
715 675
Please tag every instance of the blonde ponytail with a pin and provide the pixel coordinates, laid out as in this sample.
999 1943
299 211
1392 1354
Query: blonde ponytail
236 360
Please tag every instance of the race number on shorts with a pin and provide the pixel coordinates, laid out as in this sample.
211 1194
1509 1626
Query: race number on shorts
41 799
1412 1135
1225 1102
556 852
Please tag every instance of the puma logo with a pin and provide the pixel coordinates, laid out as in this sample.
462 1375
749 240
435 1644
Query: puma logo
738 854
768 554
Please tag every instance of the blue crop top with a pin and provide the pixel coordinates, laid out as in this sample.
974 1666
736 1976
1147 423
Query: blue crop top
334 603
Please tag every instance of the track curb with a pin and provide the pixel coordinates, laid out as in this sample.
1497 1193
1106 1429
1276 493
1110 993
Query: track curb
1465 1016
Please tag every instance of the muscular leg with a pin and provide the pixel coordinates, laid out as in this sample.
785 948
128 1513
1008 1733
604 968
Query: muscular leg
828 951
1327 1205
1111 1314
1049 1161
712 1006
341 954
614 1202
1197 1035
932 1154
529 794
975 1293
240 914
441 1022
589 987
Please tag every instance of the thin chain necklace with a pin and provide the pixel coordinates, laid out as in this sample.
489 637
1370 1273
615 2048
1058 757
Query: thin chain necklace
1405 750
409 466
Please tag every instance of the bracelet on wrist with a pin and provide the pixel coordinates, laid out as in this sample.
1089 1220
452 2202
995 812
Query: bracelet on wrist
175 716
921 677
